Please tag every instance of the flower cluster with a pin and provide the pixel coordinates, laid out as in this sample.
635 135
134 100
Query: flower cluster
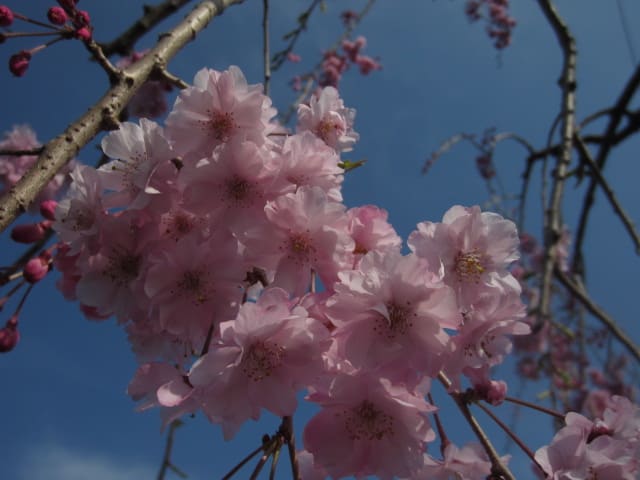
207 240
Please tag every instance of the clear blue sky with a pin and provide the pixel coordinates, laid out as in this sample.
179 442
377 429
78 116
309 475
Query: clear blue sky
62 397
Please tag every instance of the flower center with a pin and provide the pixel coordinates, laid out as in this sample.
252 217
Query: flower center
366 422
261 359
122 267
326 128
468 266
300 248
239 191
400 320
195 285
222 125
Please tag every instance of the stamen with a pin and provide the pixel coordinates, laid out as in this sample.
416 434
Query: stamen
468 266
367 422
261 360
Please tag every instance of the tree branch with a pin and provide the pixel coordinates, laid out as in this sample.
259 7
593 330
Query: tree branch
153 14
578 291
553 220
103 115
597 174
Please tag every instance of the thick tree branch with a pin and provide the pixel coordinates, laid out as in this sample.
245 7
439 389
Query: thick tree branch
553 217
103 115
153 14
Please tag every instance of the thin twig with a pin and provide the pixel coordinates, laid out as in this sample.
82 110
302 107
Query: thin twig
618 112
166 458
595 171
533 406
103 115
286 429
18 153
505 428
265 45
553 212
243 462
172 79
444 440
497 466
579 292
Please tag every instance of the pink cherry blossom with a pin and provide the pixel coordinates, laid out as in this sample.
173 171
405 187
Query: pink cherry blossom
141 167
218 107
262 358
327 117
475 247
467 463
391 310
368 426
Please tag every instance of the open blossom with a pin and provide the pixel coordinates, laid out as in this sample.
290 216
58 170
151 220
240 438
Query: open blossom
391 310
195 284
368 426
307 160
328 118
371 231
262 358
306 231
220 106
141 165
475 247
467 463
604 448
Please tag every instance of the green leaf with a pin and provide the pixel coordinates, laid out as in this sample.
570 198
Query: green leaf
348 165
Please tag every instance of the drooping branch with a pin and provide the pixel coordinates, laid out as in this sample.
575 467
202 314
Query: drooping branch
597 175
553 218
103 115
578 291
618 112
153 14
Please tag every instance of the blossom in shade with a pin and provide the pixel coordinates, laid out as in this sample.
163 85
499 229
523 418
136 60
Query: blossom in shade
13 167
328 118
262 358
218 107
467 463
368 426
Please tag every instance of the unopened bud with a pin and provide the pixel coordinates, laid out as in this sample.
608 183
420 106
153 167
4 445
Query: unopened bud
83 34
82 18
57 16
48 209
36 269
68 4
19 62
6 16
9 335
31 232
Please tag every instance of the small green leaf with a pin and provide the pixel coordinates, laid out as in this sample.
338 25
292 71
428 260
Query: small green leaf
348 165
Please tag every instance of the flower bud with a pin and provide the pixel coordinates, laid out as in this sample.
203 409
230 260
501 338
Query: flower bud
57 16
83 34
48 209
19 62
36 269
31 232
6 16
9 335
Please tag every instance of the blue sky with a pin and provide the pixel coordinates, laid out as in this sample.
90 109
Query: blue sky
65 413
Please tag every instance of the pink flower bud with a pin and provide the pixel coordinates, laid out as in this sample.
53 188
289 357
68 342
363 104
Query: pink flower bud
36 269
68 4
31 232
6 16
83 34
48 209
57 16
9 335
19 62
293 57
83 18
